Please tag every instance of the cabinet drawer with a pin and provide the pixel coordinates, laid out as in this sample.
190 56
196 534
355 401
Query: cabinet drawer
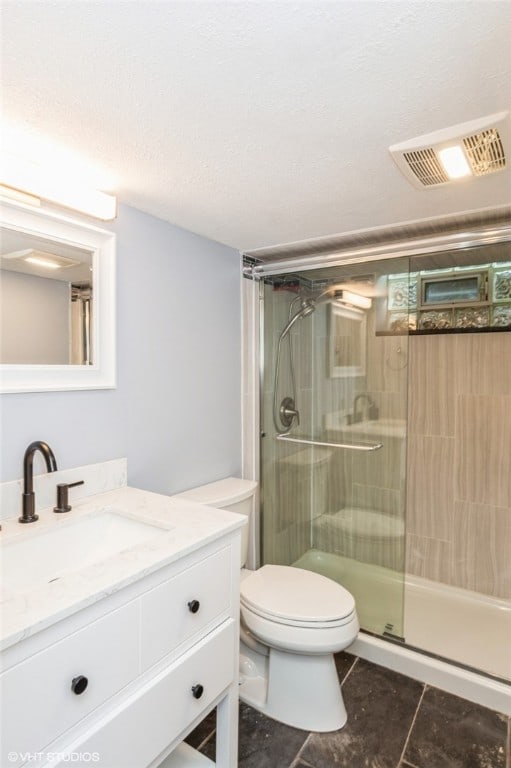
150 720
38 703
168 617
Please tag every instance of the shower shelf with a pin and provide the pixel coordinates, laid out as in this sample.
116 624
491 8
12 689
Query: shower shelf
438 331
361 446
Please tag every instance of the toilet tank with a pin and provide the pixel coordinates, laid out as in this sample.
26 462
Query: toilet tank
233 494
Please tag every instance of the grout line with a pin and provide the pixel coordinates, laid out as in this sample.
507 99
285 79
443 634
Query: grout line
298 755
348 673
298 763
508 745
411 726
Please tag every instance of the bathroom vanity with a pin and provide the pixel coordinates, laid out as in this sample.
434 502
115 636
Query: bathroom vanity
119 633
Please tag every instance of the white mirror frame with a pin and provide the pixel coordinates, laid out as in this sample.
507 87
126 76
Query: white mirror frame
48 378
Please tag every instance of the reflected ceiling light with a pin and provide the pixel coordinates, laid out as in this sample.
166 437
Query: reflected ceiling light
355 299
39 262
49 183
351 313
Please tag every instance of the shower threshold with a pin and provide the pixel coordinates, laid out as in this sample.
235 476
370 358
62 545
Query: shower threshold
464 627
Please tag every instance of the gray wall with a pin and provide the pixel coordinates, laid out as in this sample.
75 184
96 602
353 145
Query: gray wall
42 308
176 412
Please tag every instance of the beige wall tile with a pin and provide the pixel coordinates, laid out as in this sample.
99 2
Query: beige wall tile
428 558
483 450
481 550
392 405
483 364
431 399
430 486
384 468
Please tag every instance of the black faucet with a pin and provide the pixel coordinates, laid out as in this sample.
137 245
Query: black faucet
28 496
372 409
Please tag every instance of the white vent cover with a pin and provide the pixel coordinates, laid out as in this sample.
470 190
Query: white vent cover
486 144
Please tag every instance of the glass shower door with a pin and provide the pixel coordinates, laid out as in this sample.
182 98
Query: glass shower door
333 476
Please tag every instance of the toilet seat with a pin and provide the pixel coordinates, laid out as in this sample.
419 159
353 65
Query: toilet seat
296 598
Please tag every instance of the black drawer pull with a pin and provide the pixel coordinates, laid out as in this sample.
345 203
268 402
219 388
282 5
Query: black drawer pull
197 691
79 684
193 606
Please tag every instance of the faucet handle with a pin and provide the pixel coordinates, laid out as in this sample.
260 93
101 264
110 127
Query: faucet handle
62 496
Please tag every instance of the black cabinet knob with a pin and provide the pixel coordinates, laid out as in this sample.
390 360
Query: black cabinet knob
193 606
197 691
79 684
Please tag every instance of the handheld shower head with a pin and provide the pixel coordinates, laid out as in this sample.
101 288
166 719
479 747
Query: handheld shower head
307 308
284 419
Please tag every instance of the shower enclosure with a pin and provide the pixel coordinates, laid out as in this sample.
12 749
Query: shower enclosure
386 443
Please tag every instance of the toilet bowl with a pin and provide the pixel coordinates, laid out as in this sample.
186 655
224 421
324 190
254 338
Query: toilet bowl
292 622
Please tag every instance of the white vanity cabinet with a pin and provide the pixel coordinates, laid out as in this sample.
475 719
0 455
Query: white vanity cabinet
121 682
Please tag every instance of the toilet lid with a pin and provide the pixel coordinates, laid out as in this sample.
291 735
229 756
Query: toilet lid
293 594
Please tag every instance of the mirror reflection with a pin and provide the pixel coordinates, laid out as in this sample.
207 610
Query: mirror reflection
348 332
46 307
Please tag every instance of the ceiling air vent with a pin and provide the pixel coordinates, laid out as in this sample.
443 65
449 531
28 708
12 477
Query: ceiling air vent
476 148
41 258
426 166
485 152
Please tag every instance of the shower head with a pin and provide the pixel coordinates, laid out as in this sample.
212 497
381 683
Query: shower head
307 308
283 418
334 294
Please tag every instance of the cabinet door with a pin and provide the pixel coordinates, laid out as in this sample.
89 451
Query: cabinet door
38 700
191 603
151 719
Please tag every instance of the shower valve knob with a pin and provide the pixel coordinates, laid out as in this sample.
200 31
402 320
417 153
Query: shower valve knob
288 412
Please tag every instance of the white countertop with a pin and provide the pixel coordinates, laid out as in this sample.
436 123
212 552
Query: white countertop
377 429
190 527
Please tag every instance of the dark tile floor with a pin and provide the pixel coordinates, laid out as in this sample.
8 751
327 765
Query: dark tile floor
393 722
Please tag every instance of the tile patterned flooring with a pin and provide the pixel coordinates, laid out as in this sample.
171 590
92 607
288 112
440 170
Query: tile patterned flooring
393 722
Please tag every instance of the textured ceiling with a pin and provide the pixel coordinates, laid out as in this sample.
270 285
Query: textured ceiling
258 123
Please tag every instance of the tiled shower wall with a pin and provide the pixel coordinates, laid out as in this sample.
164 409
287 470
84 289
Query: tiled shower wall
286 508
455 391
459 461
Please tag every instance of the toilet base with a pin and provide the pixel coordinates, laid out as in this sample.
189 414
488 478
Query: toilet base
296 689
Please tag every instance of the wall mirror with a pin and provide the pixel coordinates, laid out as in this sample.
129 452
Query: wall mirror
57 316
348 341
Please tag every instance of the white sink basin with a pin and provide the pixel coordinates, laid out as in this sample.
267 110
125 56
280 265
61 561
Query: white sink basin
40 558
380 427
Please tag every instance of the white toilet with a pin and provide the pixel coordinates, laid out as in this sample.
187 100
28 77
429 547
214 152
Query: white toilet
292 622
